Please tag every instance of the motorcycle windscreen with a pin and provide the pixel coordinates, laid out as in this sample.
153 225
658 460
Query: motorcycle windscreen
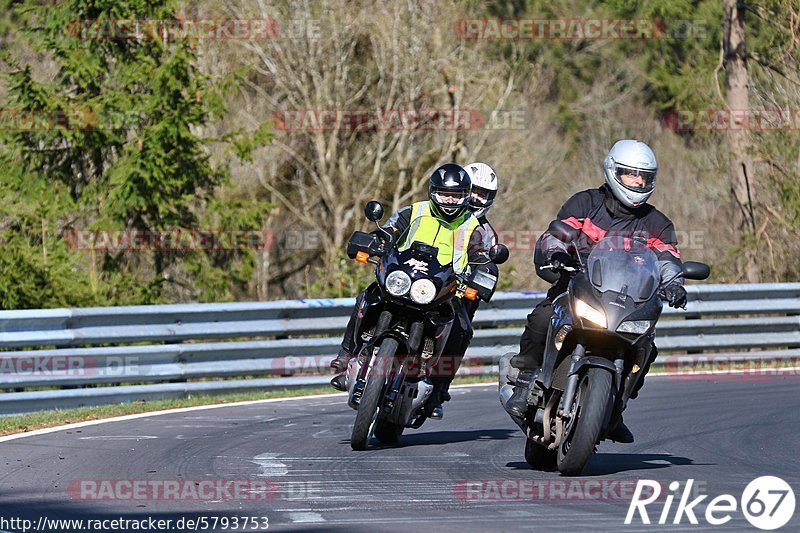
625 266
428 235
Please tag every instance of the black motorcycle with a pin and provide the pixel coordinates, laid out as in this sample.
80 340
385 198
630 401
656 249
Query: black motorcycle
403 324
599 339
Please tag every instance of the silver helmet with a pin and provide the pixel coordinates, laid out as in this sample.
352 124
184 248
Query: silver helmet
484 187
637 162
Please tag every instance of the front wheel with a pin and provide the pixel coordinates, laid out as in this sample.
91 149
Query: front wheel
368 406
588 412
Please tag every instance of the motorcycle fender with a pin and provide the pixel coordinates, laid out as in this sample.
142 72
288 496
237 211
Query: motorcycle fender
604 363
601 362
401 340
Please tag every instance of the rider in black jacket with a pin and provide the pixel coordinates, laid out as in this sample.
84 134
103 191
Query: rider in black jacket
619 208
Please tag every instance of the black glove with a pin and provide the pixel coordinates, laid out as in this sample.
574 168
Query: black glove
675 295
559 260
383 238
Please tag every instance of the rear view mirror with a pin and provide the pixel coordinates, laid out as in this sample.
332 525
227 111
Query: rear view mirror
373 210
696 270
498 254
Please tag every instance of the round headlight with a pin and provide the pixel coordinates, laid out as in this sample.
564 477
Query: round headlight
398 283
423 291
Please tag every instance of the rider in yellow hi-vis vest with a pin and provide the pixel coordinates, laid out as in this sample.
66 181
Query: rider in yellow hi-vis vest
443 221
451 238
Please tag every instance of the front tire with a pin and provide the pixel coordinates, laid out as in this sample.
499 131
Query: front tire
589 411
373 390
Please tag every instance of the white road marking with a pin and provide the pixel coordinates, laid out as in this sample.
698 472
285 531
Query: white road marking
118 437
306 517
123 418
269 464
136 416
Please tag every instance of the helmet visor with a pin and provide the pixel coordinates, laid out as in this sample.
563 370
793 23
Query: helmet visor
450 197
481 197
636 179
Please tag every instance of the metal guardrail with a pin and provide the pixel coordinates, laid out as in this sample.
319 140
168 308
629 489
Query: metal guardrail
152 347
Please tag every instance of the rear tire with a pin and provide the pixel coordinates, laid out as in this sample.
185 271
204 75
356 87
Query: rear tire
373 390
579 441
540 457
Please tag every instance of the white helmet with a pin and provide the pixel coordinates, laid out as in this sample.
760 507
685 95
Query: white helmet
630 157
484 187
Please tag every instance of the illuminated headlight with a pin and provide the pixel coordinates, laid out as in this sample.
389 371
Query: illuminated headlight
639 327
423 291
398 283
584 310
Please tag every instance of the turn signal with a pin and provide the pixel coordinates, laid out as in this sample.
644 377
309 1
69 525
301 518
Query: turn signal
470 293
362 257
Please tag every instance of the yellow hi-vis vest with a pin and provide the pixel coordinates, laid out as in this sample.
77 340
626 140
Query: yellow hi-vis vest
452 238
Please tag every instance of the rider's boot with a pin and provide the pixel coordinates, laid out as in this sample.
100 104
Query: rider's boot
339 381
433 406
620 433
517 404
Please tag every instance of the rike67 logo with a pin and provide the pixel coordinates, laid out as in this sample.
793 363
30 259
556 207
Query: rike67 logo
767 503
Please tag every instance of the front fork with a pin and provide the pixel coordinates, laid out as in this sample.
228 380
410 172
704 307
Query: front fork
384 321
413 341
580 360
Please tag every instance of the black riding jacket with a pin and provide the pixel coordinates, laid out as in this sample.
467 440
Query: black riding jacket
597 213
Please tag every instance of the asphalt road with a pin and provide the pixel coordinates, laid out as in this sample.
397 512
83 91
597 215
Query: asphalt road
294 465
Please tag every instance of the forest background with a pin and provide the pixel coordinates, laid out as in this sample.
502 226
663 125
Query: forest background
164 151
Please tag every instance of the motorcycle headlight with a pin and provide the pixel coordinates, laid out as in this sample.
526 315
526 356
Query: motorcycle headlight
398 283
423 291
584 310
637 327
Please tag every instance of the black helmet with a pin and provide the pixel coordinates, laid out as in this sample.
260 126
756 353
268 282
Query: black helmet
449 190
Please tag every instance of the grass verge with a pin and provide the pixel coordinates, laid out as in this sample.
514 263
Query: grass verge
44 419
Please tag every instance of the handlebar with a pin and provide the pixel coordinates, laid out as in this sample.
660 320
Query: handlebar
564 268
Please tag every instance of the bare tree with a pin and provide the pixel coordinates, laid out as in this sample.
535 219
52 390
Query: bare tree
370 59
737 99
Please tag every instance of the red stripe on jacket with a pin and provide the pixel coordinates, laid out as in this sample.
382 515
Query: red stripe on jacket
661 246
596 233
